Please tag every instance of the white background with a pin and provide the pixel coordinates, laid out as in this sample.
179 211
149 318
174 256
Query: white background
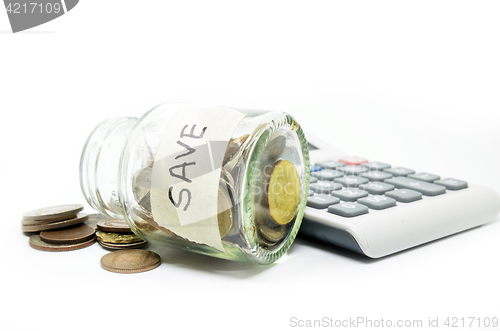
410 83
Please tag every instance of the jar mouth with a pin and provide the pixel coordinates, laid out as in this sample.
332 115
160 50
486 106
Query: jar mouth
279 125
99 189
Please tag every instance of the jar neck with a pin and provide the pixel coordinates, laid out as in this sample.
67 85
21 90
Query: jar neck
100 165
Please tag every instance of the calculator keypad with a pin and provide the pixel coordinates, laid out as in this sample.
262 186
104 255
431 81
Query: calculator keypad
351 187
348 209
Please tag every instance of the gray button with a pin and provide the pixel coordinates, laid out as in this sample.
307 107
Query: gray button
325 187
351 181
348 209
376 165
377 202
452 184
376 175
400 171
349 194
417 185
312 180
352 169
376 187
331 164
404 195
328 174
322 201
311 192
426 177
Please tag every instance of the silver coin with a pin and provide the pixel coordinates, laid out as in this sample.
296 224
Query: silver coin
55 225
55 213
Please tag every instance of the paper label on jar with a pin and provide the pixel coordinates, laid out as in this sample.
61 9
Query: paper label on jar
186 172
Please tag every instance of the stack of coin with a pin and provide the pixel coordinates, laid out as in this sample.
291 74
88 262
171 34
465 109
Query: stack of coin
51 218
60 228
116 234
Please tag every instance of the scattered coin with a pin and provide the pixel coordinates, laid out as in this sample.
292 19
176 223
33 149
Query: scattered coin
72 235
37 243
94 219
114 225
117 238
283 192
55 225
130 261
55 213
122 246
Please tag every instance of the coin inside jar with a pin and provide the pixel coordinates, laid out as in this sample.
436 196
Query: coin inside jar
283 192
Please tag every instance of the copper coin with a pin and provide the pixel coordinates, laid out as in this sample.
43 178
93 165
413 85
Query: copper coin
114 225
55 225
121 246
94 219
73 235
130 261
37 243
53 214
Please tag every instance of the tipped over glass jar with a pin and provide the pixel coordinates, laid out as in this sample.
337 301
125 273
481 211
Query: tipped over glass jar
225 182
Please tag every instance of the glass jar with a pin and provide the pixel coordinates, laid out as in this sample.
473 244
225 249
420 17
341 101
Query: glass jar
225 182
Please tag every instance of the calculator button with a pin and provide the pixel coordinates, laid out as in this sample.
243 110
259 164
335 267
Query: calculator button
348 209
312 180
400 171
331 164
376 165
452 184
374 175
328 174
353 160
426 177
325 187
322 201
404 195
351 181
377 202
376 187
352 169
349 194
314 168
425 188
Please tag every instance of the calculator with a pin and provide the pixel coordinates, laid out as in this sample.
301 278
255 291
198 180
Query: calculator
376 208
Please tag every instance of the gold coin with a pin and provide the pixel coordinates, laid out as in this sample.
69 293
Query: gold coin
283 192
122 246
117 238
130 261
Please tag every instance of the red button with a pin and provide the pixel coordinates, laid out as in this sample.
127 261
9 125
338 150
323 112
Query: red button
353 160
